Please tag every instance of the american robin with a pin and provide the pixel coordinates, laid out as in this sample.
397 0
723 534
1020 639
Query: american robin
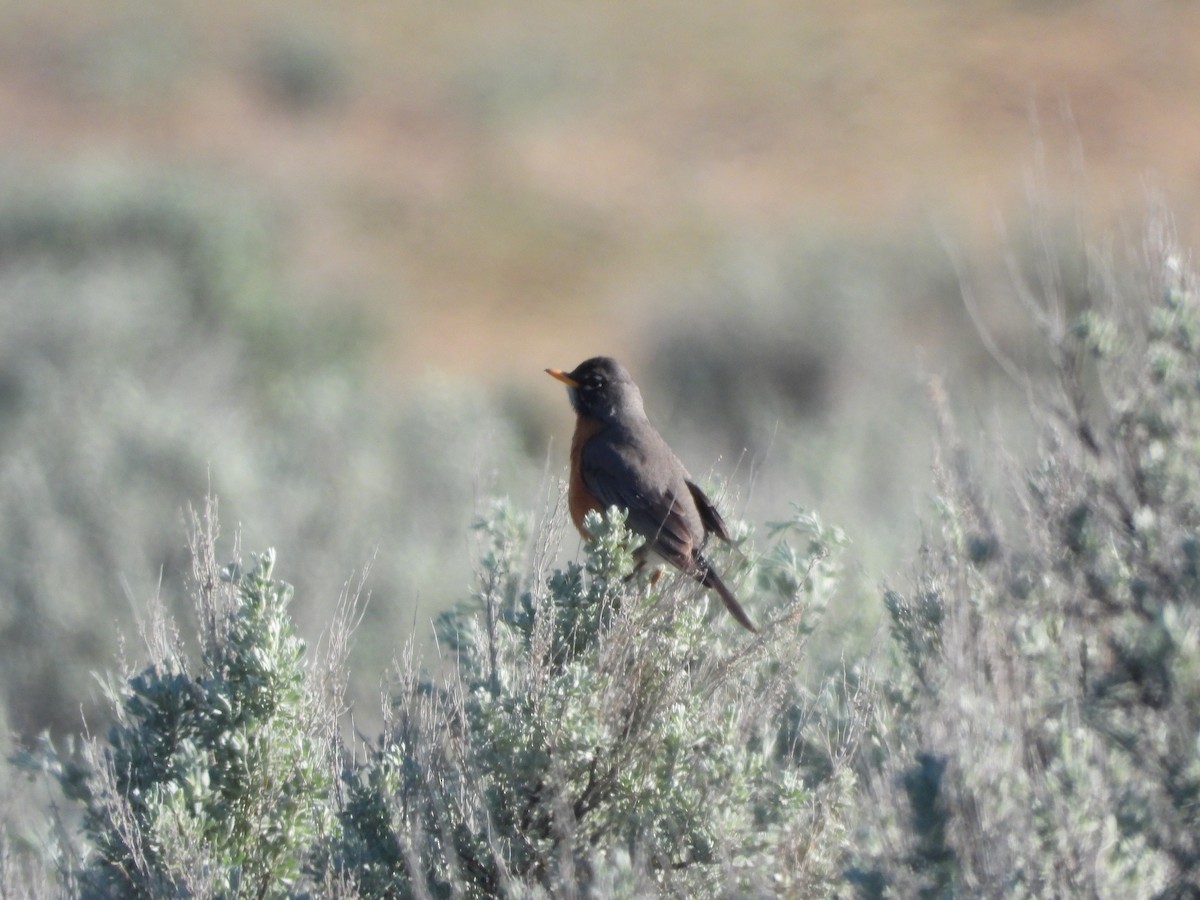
619 459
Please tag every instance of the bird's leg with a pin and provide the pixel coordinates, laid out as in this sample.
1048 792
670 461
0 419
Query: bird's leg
640 556
639 563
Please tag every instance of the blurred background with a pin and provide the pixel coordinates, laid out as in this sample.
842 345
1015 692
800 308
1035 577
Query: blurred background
314 258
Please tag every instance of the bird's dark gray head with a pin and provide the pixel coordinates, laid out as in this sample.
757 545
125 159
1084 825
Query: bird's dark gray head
600 388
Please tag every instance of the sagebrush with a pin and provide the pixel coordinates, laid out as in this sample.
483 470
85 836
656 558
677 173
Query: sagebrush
1028 727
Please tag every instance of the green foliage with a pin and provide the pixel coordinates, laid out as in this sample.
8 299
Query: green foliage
1052 683
151 350
597 731
590 732
215 782
1030 731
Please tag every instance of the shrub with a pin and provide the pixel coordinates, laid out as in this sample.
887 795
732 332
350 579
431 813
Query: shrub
215 779
151 350
1031 733
589 733
598 733
1043 732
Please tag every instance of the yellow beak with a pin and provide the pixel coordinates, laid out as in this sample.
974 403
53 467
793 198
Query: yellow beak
563 377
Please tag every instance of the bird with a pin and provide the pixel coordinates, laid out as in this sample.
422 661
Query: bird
619 459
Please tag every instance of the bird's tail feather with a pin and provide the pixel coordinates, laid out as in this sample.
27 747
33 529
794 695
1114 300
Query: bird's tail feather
708 577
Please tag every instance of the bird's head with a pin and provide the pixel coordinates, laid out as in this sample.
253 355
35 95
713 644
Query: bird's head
600 388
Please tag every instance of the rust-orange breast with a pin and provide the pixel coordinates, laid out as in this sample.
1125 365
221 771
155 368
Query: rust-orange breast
579 499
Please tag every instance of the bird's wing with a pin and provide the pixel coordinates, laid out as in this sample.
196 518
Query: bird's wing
708 513
665 508
643 483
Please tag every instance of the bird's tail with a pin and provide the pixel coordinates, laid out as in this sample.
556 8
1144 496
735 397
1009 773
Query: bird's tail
707 576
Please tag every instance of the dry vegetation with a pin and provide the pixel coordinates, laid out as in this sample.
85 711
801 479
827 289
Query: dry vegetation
1026 729
313 262
513 171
